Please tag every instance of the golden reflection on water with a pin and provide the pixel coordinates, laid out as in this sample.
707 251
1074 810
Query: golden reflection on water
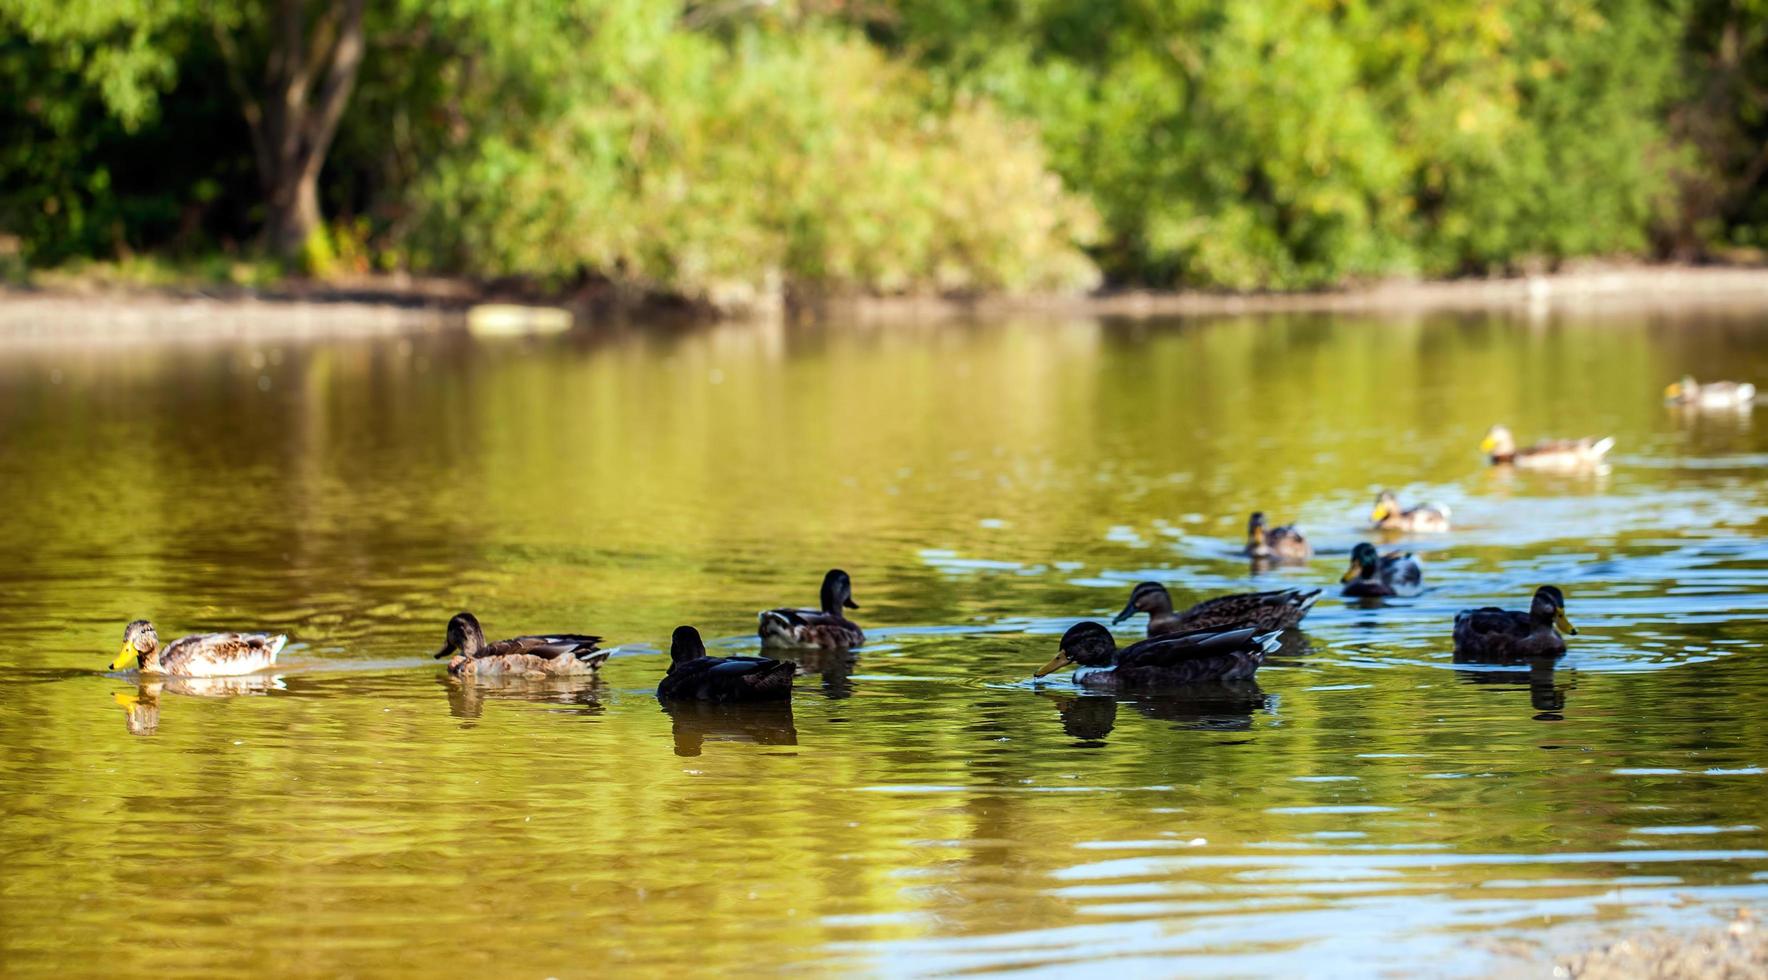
922 807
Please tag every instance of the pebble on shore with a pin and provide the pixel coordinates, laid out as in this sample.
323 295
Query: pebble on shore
1738 950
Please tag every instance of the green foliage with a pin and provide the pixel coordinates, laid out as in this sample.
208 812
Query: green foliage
730 150
1269 143
716 171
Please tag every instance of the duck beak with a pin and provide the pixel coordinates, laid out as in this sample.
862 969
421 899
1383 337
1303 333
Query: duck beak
1355 570
1488 444
1059 661
1674 390
126 658
1128 611
1379 514
849 603
1564 624
445 651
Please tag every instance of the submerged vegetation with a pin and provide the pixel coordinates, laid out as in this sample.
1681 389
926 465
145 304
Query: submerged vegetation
732 152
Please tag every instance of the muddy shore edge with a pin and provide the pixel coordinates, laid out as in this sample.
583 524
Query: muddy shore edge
387 307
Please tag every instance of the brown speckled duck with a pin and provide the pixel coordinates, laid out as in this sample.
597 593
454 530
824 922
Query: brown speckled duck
823 628
1173 660
202 655
556 654
722 680
1491 633
1275 544
1423 519
1276 610
1549 454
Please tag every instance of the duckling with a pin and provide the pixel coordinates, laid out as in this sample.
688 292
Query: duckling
1423 519
1561 454
1394 573
560 653
823 628
1491 633
202 655
1689 393
1277 610
1283 543
695 676
1162 661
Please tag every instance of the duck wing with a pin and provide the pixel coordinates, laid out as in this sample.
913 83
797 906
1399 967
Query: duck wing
549 647
1266 610
222 653
1490 621
1184 648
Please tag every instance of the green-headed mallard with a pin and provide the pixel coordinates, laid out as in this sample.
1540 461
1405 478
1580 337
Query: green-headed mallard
1163 661
559 653
1283 543
202 655
1276 610
823 628
1549 454
1422 519
1714 394
1499 634
725 680
1395 573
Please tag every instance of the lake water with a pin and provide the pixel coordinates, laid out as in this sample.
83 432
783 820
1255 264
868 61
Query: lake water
925 808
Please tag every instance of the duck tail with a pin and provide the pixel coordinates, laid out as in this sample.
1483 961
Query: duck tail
1268 643
776 623
1601 446
1304 600
591 657
275 644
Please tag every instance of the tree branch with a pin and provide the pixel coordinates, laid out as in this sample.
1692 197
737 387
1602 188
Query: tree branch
334 95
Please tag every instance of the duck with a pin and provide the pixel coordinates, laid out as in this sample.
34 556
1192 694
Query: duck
1275 610
199 655
1424 518
1283 543
1172 660
1491 633
694 676
552 655
1562 454
1395 573
823 628
1714 394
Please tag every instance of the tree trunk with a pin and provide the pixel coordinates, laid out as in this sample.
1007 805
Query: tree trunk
310 67
294 212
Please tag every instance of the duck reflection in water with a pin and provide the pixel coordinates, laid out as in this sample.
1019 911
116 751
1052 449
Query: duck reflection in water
1547 695
576 693
835 667
141 707
697 722
1226 706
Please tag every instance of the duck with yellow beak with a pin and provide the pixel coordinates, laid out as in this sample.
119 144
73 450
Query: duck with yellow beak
1689 393
1497 634
1388 515
1173 660
1371 575
201 655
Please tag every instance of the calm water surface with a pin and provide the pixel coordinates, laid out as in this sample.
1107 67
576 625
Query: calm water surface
923 808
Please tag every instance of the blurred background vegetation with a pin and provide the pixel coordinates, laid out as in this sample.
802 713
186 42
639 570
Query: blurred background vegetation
733 150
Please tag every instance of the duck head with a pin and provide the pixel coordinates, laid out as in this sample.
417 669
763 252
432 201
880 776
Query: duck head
1686 388
1084 645
1148 597
837 592
1548 609
1498 442
1386 506
1255 529
685 645
1364 563
141 647
464 636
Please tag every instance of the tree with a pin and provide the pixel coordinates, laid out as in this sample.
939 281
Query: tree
310 54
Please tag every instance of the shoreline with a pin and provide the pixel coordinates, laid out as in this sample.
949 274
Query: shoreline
398 306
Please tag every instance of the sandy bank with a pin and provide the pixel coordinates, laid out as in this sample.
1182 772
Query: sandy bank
389 307
1737 950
